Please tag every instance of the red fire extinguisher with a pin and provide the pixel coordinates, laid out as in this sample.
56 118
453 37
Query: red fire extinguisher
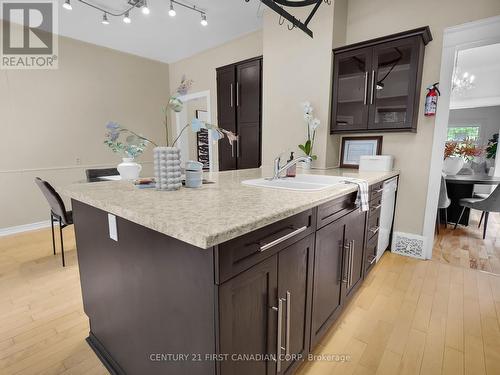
431 99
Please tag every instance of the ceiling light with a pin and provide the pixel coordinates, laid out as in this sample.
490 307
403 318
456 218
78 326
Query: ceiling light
105 20
67 5
172 11
127 19
145 9
204 19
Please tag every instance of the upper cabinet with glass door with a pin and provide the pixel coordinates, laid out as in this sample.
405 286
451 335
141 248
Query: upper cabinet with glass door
376 84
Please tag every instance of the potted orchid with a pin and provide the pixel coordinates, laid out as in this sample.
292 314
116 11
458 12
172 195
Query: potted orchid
312 124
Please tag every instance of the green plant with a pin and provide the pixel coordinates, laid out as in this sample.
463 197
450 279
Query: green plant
133 145
312 125
491 148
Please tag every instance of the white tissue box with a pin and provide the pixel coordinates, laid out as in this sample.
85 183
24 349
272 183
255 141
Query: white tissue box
381 163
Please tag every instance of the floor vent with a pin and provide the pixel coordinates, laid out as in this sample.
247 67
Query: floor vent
408 244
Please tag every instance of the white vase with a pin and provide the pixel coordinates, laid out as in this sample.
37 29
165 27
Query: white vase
452 165
305 164
129 169
167 166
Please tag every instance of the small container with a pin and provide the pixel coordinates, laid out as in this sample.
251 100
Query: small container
291 171
194 174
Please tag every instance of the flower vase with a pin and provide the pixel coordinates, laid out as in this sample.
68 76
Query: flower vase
452 165
306 164
167 166
129 170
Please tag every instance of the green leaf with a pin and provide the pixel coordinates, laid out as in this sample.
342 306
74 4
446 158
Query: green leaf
303 148
314 157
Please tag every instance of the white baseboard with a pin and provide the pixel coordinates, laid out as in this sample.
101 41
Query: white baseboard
24 228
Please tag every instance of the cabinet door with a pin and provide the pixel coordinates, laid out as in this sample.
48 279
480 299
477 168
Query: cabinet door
327 278
226 115
393 84
247 320
350 90
248 108
354 244
294 287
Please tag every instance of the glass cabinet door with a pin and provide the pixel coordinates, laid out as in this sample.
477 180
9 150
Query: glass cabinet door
392 84
350 90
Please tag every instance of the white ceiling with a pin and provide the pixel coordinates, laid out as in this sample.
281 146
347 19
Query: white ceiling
158 36
483 63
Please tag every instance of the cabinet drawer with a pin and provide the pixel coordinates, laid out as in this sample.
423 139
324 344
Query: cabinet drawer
372 226
370 253
330 211
375 206
376 190
237 255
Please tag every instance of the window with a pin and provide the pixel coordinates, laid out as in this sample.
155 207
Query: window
459 134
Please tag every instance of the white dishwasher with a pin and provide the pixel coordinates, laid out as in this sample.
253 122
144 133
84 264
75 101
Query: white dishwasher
386 215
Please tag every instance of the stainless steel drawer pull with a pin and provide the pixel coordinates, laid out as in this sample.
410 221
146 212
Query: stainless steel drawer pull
376 207
267 246
378 191
231 95
373 260
351 270
366 88
373 87
374 230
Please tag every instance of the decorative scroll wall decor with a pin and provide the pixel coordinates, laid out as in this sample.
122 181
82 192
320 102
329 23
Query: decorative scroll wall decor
279 7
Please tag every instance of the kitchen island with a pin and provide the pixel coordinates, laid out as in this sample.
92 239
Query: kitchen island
225 279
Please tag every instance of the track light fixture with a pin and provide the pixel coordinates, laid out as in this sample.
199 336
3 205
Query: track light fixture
172 11
67 5
105 20
137 4
126 18
204 21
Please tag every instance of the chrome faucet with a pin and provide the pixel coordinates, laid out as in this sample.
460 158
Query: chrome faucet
278 170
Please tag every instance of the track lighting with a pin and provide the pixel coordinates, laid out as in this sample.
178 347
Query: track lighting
145 8
172 11
204 21
105 20
126 18
67 5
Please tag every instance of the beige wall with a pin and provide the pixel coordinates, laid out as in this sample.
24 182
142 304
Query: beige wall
368 19
52 122
201 69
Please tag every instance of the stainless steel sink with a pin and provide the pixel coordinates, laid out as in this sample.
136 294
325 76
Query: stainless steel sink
302 182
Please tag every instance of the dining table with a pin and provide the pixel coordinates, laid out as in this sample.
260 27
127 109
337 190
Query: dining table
462 186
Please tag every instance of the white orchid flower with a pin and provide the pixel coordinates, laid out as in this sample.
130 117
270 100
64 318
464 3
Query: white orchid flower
314 124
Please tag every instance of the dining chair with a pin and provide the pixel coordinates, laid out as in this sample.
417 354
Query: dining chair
490 204
58 212
94 174
443 204
481 196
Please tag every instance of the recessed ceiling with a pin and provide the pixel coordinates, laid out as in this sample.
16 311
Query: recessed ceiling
482 62
158 36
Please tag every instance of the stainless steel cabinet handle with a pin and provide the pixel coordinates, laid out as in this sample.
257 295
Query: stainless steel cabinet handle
232 150
237 94
267 246
374 229
373 87
366 88
279 309
288 319
351 270
232 96
376 207
238 147
373 260
379 190
345 276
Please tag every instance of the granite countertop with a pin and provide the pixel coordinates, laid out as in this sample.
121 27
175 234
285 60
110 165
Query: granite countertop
214 213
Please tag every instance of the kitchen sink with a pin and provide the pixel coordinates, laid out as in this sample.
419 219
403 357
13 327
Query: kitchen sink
302 182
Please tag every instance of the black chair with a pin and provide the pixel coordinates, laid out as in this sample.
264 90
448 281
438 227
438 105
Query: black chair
58 212
94 174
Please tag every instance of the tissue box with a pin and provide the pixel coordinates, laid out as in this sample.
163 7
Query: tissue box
381 163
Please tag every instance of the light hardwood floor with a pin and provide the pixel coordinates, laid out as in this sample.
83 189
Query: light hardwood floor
410 317
465 246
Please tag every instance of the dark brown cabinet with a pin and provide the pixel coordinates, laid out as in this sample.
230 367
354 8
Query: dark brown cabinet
239 98
376 84
338 269
266 309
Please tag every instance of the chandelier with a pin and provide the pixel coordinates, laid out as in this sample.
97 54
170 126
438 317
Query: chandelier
136 4
462 82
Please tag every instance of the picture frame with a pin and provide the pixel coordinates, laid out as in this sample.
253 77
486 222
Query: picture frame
354 147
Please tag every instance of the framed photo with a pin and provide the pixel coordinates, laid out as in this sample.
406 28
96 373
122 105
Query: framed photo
354 147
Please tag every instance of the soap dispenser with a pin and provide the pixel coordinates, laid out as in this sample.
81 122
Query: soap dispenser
292 170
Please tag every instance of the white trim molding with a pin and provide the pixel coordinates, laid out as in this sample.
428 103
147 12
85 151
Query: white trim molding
469 35
24 228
